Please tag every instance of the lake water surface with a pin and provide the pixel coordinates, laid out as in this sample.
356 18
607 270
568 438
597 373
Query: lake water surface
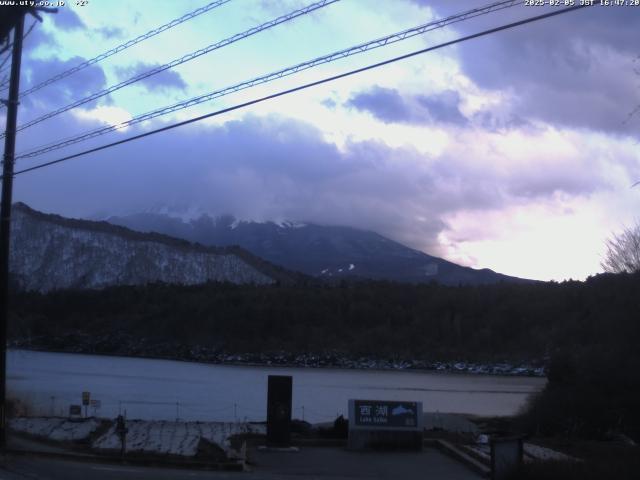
166 390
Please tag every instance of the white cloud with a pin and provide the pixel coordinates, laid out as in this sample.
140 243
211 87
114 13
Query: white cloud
105 115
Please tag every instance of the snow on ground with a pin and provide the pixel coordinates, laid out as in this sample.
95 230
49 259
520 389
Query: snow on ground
542 453
531 453
449 422
175 438
481 451
55 428
143 436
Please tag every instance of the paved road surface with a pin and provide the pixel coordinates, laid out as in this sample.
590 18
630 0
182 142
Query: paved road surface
309 463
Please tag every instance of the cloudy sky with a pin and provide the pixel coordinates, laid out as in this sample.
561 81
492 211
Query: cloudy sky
515 151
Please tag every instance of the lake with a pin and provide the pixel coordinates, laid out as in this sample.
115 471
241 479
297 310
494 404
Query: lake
166 390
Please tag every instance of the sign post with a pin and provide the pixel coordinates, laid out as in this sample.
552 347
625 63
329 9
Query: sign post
385 424
86 399
121 430
95 404
75 412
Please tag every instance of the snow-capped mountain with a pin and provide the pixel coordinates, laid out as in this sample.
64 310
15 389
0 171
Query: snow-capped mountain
50 252
321 251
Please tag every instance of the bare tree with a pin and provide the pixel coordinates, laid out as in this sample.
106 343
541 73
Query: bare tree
623 251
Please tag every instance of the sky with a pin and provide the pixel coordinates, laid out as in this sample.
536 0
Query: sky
515 151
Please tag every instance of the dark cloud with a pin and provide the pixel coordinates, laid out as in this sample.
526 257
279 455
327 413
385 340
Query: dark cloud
111 32
443 107
260 168
275 168
574 69
67 19
167 79
500 121
37 37
390 106
534 183
56 95
329 103
386 104
67 90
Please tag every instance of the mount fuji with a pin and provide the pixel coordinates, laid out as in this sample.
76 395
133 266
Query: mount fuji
329 252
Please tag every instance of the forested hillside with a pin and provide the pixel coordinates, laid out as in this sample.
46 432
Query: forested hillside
474 323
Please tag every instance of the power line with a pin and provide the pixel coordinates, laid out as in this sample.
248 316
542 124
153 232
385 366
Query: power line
389 39
5 81
126 45
30 29
7 57
4 68
190 56
4 60
305 86
5 76
363 47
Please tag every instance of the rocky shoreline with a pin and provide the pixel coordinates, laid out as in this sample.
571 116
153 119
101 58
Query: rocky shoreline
128 346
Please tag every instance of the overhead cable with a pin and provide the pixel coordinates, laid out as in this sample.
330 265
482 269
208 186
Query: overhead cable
5 80
181 60
363 47
303 87
125 45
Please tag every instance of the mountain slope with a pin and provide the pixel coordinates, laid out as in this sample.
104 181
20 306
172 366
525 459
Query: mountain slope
321 251
51 252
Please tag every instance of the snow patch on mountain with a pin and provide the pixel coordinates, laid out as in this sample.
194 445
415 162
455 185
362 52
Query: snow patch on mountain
288 224
51 253
318 250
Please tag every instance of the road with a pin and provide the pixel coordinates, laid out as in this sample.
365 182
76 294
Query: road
308 463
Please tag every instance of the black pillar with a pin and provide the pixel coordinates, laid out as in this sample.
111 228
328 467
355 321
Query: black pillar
279 411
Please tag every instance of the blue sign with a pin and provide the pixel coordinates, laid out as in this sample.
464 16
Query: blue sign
380 413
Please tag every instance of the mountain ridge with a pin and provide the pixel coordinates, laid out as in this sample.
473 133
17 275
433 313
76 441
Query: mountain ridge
327 252
50 252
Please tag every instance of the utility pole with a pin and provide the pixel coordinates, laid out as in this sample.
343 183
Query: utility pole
5 215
